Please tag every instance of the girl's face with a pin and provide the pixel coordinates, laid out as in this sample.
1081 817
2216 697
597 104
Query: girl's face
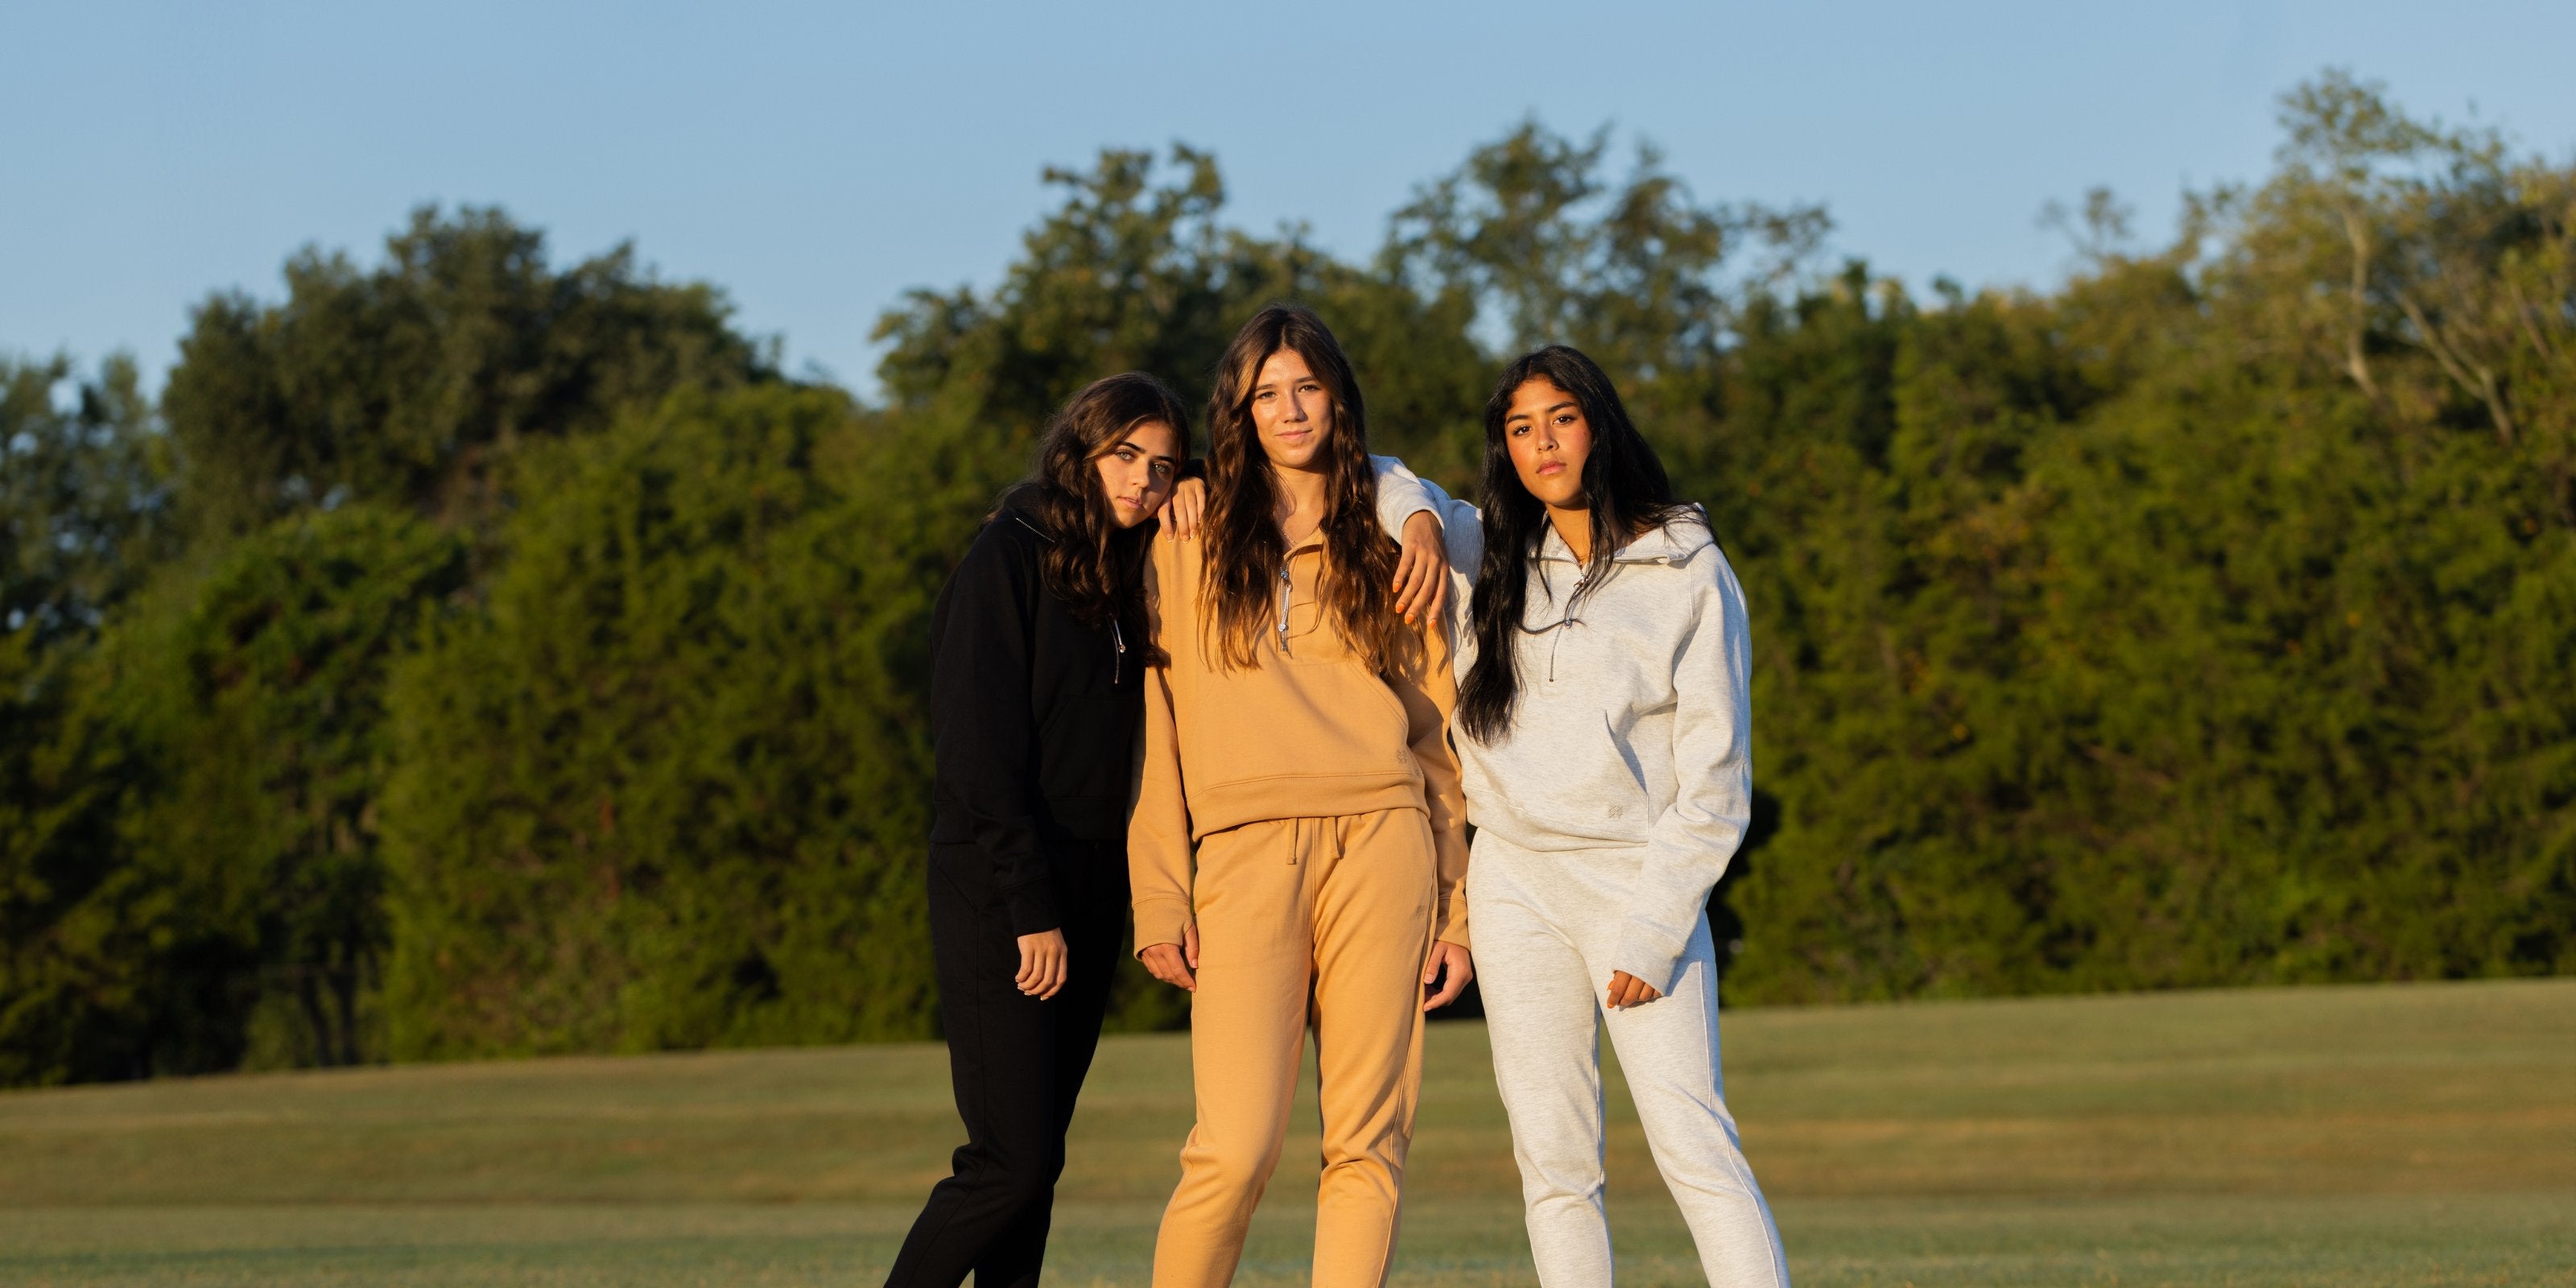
1137 472
1291 413
1549 440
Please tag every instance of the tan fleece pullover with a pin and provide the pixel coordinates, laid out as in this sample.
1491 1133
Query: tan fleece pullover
1308 732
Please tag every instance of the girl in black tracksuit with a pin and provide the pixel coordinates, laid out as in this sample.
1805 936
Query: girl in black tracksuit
1038 652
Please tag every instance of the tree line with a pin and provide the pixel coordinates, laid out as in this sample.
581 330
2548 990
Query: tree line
467 656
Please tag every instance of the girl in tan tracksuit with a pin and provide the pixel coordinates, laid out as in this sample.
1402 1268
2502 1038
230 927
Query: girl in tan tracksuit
1298 826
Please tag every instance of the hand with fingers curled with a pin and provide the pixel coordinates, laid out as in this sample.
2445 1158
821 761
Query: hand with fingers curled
1450 967
1627 990
1185 509
1043 960
1422 571
1174 964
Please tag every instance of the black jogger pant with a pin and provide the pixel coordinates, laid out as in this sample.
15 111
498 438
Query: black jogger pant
1017 1063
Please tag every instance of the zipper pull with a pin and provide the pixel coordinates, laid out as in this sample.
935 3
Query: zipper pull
1117 660
1287 591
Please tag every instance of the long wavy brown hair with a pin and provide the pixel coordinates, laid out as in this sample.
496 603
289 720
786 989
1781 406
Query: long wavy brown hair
1245 547
1092 564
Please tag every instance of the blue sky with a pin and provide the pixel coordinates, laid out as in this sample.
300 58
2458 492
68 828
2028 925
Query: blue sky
817 160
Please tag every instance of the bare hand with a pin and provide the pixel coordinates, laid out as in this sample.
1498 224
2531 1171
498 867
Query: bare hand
1460 968
1422 572
1173 963
1627 990
1185 507
1042 964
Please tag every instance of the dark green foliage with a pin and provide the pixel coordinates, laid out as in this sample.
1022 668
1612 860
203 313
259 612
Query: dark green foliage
670 789
1128 275
2201 624
402 384
75 926
2210 619
82 505
82 497
200 878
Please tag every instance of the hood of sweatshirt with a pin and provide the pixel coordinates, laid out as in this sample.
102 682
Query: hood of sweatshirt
1677 541
1020 505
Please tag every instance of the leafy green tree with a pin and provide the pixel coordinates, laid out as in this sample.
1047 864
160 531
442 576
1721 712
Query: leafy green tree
260 707
76 925
82 505
1133 272
193 877
2209 600
405 383
1534 234
669 788
83 496
194 841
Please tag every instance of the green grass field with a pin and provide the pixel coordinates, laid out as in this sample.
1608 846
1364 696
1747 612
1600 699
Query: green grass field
2398 1135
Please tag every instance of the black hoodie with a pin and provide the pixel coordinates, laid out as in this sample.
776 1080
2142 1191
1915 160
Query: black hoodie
1032 716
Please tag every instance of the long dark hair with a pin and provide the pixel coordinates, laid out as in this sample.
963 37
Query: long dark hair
1624 485
1092 564
1245 546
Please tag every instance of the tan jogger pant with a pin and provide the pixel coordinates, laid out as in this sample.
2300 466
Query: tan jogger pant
1345 904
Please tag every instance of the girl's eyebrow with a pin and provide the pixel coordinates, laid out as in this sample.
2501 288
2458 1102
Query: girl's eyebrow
1525 415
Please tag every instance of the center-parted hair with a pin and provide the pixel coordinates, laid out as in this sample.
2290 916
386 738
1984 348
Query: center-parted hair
1245 548
1092 564
1624 486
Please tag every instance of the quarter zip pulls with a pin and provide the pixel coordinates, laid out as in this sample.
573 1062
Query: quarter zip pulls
1117 637
1663 545
1311 545
1287 592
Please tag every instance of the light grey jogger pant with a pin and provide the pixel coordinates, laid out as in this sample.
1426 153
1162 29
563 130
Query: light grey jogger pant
1546 924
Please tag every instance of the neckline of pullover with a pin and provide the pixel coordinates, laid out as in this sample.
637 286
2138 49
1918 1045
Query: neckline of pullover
1674 541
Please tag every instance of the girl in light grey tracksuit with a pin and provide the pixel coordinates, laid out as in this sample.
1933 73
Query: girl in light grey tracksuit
1604 729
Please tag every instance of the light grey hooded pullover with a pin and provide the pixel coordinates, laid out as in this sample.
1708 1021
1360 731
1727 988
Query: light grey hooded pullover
1634 728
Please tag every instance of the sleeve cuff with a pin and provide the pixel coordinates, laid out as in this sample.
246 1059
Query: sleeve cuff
1452 921
1033 910
1160 921
1400 495
1647 961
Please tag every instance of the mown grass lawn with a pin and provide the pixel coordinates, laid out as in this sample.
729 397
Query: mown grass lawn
2396 1135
